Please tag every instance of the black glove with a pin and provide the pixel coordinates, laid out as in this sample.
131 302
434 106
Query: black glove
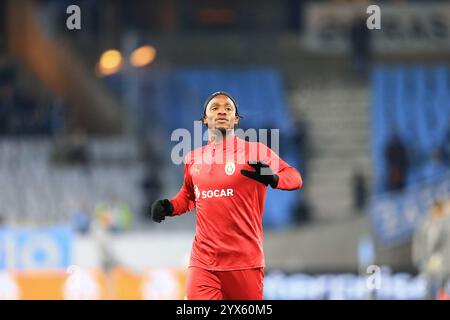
268 178
161 209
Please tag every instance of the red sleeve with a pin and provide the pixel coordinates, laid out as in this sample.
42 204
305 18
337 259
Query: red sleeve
288 177
184 201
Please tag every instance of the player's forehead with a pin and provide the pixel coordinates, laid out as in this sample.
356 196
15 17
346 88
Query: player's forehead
220 100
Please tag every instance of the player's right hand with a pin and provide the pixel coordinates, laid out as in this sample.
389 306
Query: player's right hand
161 209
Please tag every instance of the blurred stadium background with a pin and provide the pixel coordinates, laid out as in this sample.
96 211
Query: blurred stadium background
86 117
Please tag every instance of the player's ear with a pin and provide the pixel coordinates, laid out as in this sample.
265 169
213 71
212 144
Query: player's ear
204 120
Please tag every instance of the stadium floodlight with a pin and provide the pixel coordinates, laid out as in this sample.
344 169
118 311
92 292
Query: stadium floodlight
143 56
110 62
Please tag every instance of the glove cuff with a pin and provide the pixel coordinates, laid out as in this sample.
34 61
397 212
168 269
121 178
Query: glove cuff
274 182
168 206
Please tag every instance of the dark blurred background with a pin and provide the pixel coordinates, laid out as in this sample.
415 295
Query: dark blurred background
86 117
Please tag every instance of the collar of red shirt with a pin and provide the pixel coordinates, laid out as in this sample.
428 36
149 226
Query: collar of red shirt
223 142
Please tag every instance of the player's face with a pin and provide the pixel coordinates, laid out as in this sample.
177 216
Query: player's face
221 113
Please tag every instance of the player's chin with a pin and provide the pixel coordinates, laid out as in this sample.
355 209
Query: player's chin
222 126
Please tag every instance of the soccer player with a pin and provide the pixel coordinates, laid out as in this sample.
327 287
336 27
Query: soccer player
226 181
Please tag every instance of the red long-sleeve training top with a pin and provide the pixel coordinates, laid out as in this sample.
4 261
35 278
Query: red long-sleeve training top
229 205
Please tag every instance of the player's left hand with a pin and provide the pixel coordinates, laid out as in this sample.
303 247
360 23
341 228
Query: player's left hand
263 173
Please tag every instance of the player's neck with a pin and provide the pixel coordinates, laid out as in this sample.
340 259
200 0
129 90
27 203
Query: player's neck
216 137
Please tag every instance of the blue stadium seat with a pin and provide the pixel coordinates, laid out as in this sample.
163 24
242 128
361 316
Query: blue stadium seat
414 100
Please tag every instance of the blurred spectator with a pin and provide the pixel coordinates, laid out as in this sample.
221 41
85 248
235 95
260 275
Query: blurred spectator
302 211
431 247
114 215
437 165
397 162
78 152
360 41
359 186
72 149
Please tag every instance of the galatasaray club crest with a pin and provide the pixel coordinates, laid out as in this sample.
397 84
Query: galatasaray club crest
229 168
